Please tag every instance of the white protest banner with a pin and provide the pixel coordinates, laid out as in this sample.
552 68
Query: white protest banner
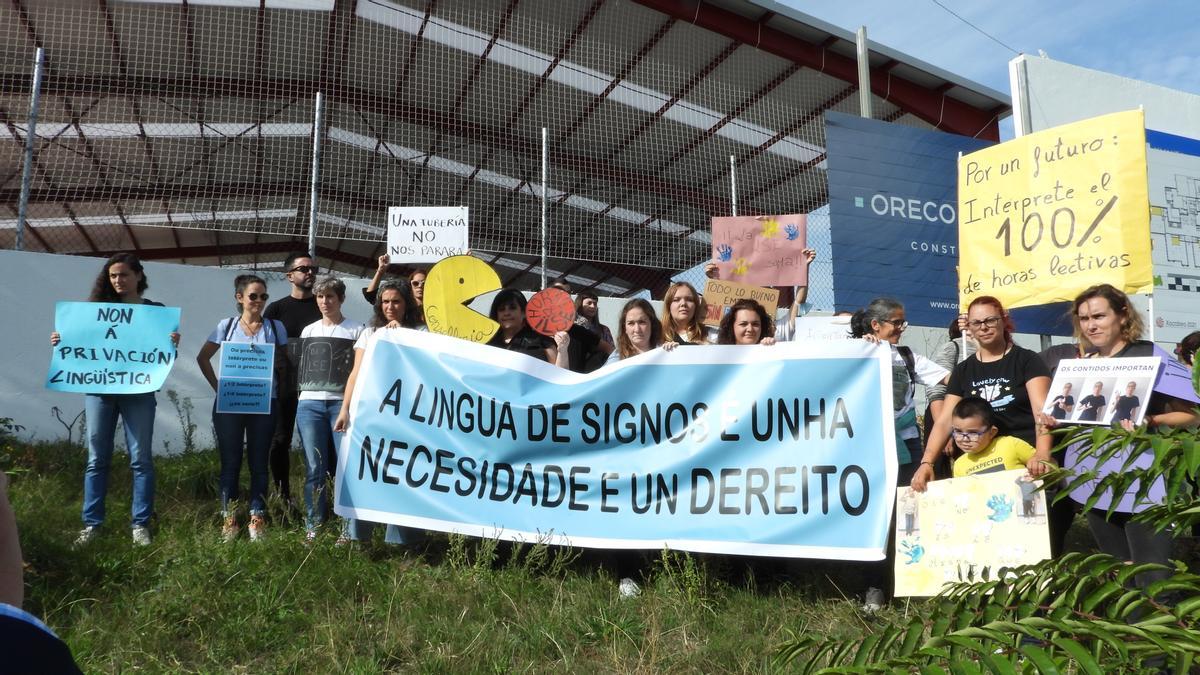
960 526
821 329
426 234
1102 391
785 450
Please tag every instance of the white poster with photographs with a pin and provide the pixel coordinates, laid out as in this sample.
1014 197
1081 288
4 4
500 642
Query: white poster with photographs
960 526
1102 391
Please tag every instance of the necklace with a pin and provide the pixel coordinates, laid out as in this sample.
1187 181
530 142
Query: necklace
251 331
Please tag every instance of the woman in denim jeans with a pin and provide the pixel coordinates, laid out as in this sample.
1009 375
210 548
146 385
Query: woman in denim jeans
121 280
394 308
326 355
235 431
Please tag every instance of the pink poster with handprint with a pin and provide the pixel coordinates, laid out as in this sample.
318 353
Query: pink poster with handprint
761 250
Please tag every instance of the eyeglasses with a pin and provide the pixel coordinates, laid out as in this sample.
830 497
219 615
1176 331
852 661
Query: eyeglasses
972 436
418 283
255 297
898 324
305 269
990 322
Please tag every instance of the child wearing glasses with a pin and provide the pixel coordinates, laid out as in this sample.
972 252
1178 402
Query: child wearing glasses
973 428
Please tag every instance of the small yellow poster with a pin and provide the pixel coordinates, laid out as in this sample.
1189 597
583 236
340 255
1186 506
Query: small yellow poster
960 526
1044 216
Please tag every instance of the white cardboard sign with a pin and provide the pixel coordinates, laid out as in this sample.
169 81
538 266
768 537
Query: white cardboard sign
1102 391
426 234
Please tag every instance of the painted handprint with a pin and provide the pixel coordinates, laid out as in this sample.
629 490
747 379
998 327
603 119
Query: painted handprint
724 252
770 228
791 231
740 267
1001 506
914 551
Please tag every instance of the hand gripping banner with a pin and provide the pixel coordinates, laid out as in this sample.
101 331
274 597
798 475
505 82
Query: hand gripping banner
785 450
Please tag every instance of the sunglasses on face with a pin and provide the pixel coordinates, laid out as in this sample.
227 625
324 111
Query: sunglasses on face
255 297
305 269
898 324
417 284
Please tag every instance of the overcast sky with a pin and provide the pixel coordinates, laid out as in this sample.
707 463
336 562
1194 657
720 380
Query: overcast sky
1153 40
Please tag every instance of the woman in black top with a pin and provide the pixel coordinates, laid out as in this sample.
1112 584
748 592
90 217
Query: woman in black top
1125 406
121 280
1014 380
1091 405
1064 403
508 309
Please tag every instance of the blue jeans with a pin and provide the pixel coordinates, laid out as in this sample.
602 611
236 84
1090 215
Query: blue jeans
360 530
234 432
137 412
314 419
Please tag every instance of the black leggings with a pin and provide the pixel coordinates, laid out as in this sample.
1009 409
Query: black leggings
1122 538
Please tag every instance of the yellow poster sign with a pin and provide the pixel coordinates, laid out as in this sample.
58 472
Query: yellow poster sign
960 526
1043 217
452 283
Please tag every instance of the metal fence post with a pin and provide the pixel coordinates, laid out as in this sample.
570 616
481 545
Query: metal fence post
545 199
318 133
30 139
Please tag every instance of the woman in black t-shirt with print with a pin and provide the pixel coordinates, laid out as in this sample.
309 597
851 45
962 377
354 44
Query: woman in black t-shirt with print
1014 380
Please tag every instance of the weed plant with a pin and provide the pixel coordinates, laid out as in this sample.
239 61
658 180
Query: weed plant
190 603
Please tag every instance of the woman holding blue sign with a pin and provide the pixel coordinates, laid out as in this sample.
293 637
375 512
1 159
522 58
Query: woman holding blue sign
884 321
250 431
394 308
121 280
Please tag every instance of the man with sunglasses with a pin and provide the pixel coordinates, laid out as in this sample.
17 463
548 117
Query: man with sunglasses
295 311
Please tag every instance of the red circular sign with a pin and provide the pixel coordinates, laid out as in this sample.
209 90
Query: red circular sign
550 311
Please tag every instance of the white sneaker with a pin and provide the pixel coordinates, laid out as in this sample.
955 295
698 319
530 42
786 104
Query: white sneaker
629 588
87 534
141 535
258 528
874 600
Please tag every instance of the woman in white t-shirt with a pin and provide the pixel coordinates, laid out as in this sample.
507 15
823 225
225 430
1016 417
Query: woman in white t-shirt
238 432
326 357
394 308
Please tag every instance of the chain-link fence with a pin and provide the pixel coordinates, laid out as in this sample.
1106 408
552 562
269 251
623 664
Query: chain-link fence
188 129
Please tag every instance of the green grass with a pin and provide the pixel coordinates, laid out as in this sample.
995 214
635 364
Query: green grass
190 603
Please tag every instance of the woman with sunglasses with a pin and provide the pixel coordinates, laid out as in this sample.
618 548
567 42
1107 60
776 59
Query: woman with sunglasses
239 433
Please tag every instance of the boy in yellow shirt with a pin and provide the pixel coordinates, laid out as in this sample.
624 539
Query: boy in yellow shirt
973 429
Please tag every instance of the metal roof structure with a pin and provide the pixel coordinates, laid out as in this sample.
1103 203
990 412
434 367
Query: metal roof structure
183 131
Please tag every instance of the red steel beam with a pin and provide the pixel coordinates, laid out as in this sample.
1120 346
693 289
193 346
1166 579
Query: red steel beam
926 103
